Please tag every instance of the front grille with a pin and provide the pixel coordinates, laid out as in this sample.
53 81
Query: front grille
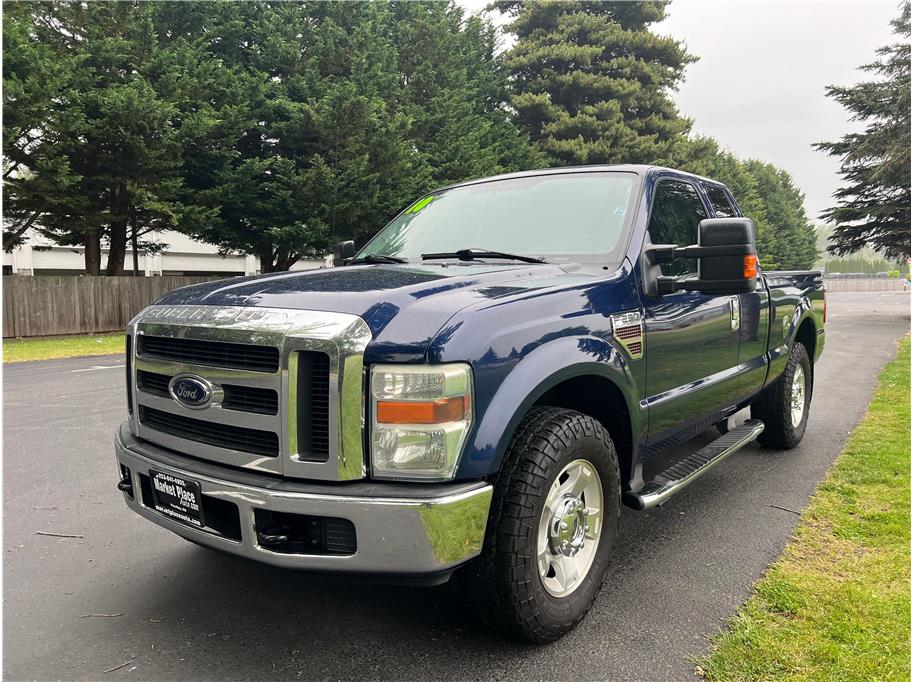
238 398
253 441
286 387
154 383
210 353
319 405
250 399
129 367
313 405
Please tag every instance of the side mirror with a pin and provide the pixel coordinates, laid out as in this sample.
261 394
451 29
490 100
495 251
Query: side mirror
343 252
727 257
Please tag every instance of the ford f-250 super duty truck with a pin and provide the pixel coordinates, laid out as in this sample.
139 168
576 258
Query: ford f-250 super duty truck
480 387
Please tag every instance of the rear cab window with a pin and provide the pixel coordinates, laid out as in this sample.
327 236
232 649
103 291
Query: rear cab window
721 202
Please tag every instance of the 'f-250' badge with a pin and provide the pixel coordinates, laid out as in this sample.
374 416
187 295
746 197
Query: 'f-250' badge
190 391
628 330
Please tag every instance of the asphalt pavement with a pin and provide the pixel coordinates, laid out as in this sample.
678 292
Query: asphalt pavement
127 591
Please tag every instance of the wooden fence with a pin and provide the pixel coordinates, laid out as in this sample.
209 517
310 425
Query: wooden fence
44 305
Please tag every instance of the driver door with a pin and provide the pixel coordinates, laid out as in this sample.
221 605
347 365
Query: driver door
691 337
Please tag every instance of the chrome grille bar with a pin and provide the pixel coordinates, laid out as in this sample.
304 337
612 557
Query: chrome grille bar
211 353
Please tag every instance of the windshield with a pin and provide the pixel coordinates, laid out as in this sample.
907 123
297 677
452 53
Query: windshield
567 217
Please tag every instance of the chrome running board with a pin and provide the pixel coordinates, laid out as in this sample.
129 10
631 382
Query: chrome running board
681 474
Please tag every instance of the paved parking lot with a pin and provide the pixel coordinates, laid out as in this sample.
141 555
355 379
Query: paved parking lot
130 592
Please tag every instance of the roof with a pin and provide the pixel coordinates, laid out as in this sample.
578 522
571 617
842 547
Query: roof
639 169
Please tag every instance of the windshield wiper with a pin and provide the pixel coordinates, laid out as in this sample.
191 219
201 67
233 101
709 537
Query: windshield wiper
377 258
475 254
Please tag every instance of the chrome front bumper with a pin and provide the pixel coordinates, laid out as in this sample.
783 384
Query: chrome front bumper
400 529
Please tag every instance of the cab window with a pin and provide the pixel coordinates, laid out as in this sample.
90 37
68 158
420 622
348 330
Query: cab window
676 211
721 204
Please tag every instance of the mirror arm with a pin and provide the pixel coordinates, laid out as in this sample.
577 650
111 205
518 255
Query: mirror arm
697 251
666 253
661 253
669 285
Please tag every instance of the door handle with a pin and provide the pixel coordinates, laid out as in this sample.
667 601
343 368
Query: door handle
735 309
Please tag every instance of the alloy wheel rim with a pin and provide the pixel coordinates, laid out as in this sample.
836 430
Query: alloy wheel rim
570 528
799 389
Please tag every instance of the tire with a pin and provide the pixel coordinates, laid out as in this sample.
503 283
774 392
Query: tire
506 581
774 406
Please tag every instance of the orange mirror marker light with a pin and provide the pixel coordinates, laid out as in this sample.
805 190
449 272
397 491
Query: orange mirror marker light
423 411
750 266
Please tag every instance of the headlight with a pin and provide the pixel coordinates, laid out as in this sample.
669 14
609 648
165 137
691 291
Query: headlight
420 418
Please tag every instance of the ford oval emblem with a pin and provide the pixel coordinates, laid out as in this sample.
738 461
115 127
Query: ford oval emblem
190 391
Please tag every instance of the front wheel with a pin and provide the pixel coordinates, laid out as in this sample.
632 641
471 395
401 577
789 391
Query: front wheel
783 407
552 526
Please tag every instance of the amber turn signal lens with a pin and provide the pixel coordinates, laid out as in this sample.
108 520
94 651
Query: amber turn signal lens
750 266
422 412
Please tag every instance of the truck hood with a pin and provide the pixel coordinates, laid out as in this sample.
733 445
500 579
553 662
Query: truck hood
404 305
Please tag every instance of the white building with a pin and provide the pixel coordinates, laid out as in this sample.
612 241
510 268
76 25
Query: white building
183 256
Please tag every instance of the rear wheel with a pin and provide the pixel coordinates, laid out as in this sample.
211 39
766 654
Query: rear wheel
783 407
552 526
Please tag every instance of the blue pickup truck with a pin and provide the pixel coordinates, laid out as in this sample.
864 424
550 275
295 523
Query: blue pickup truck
477 390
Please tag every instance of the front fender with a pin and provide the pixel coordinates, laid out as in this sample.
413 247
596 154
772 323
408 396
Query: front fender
538 372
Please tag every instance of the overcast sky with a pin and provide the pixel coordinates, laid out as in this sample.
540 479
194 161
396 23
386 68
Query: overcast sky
759 85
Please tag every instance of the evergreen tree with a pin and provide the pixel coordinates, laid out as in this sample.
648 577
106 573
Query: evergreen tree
347 111
873 208
785 238
266 128
36 121
320 152
767 195
95 146
454 91
591 83
703 156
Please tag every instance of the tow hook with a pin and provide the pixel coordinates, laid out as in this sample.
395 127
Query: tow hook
272 538
125 486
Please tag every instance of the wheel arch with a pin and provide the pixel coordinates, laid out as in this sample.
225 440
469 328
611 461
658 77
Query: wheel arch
807 336
587 374
610 411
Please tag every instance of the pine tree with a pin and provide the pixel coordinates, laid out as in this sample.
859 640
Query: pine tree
351 110
591 83
36 124
766 194
97 148
317 150
454 91
785 238
873 207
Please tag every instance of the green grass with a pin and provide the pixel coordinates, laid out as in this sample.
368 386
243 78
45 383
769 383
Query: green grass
47 347
835 606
